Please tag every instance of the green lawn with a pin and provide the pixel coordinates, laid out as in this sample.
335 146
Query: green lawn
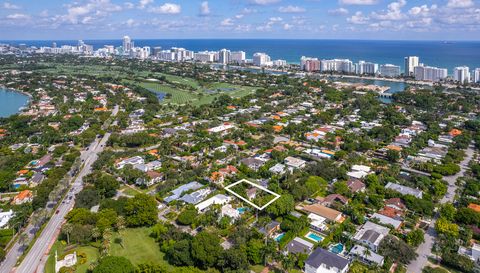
204 96
92 254
138 246
129 191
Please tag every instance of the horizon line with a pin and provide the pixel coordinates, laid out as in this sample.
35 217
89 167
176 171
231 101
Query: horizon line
285 39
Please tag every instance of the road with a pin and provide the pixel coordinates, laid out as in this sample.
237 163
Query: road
425 249
37 256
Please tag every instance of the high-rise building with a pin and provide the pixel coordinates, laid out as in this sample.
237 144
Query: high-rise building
54 45
336 65
429 73
309 64
224 56
366 68
157 50
237 57
461 74
127 45
204 57
261 59
389 70
476 75
410 63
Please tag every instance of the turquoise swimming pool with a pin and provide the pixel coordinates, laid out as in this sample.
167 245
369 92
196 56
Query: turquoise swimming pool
241 210
314 236
279 237
337 249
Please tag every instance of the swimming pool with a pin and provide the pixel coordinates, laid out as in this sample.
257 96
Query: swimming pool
279 237
337 249
241 210
314 236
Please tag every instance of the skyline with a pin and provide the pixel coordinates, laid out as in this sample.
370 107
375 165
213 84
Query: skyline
236 19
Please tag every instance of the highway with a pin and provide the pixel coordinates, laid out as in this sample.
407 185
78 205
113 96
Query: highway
425 249
37 256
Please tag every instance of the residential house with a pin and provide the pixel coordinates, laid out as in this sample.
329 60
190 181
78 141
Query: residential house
295 163
196 196
5 217
473 253
365 256
153 177
371 234
278 169
219 199
270 228
324 261
325 212
23 197
333 199
176 193
404 189
130 161
36 179
355 185
229 211
299 246
253 163
387 221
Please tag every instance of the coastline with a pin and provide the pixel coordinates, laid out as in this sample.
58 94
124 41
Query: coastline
25 105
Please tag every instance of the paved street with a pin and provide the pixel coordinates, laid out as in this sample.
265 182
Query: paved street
36 258
424 250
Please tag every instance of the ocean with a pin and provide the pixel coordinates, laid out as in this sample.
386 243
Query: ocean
11 102
445 54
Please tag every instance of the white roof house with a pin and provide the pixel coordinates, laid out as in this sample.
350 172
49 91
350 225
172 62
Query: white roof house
360 252
219 199
387 220
371 234
404 189
294 162
132 161
228 210
317 222
5 217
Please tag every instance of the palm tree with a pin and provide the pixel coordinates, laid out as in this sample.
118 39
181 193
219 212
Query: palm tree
96 233
68 228
120 224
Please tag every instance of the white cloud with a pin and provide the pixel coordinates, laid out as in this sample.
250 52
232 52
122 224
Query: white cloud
264 2
239 16
339 11
287 26
18 16
423 10
358 2
8 5
167 8
144 3
275 19
459 3
227 22
91 11
394 12
131 23
358 18
291 9
204 8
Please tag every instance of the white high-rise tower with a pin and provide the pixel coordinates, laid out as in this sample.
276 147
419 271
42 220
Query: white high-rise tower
127 45
410 63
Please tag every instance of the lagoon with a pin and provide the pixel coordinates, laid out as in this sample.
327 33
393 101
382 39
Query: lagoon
11 102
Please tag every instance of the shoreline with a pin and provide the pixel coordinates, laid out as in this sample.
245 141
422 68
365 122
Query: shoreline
24 106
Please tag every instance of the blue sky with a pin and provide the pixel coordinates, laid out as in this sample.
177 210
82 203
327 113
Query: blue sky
316 19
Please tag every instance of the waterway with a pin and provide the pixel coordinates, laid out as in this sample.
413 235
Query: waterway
11 102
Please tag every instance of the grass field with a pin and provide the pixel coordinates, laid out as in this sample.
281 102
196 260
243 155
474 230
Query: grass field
92 254
137 246
203 96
